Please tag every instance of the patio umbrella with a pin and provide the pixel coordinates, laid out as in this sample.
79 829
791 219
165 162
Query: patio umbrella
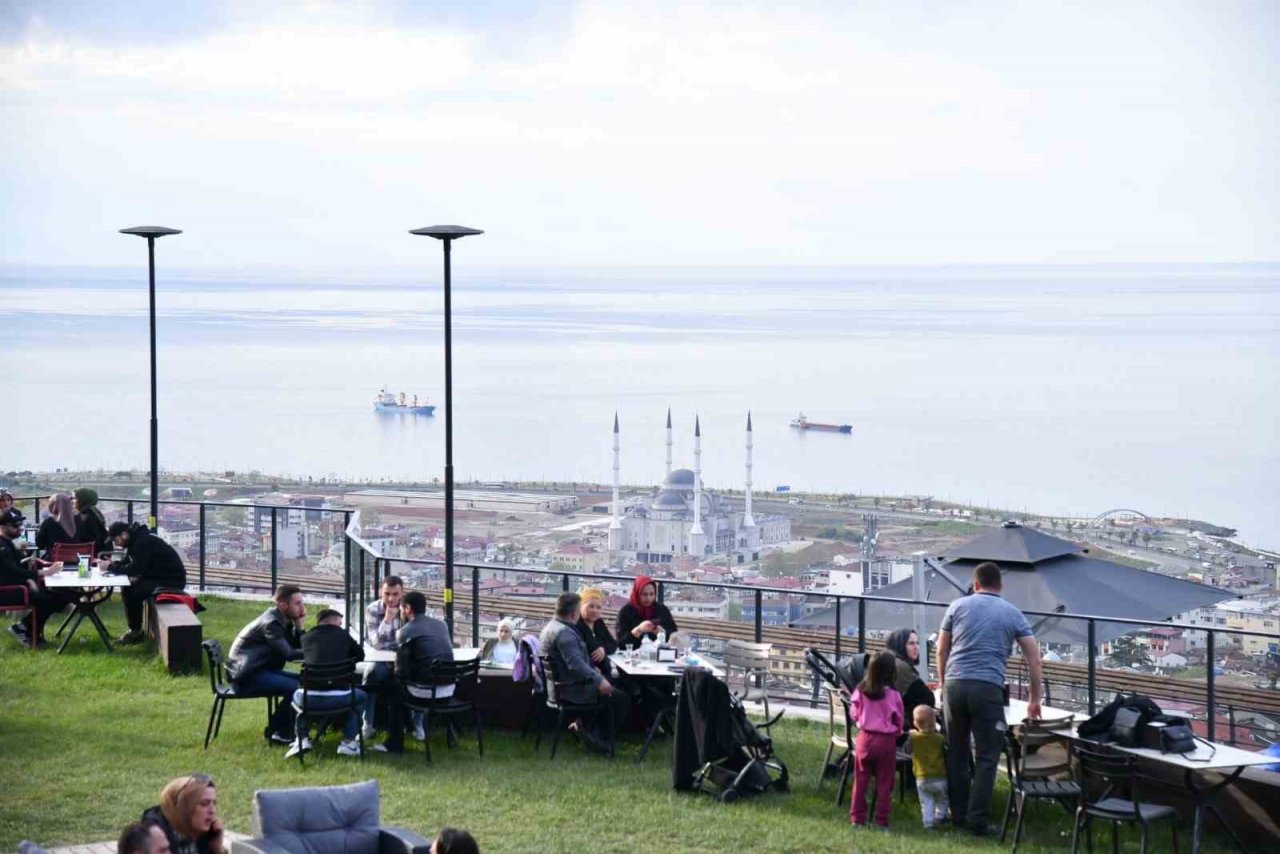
1041 573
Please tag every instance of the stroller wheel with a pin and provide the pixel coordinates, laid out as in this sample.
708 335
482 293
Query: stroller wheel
728 796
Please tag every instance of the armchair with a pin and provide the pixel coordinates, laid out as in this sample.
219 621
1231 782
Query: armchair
325 820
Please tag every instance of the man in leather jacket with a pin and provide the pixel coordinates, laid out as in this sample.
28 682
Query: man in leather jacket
261 650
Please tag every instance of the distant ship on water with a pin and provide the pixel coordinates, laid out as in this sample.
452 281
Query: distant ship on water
802 423
388 402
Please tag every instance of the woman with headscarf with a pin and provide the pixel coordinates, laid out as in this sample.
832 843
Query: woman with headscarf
89 521
905 646
188 815
600 643
60 525
502 648
643 615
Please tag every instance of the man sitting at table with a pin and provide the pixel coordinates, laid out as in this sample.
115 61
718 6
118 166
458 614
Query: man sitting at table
261 650
328 643
151 564
382 623
14 573
421 642
562 643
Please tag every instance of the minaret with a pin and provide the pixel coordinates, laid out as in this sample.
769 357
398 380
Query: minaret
697 537
668 441
615 527
747 520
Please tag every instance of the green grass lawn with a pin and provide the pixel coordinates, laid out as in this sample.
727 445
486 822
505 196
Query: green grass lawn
88 738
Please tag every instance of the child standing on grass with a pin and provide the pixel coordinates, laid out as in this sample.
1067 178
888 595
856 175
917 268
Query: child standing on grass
877 710
930 766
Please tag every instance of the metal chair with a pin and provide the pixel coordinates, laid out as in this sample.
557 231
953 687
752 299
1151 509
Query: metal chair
428 700
839 738
24 603
565 710
223 691
751 661
1116 777
336 676
70 553
1030 780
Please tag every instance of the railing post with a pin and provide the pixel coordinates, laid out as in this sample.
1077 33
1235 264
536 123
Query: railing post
274 554
862 625
203 534
36 512
475 606
1231 724
361 574
1210 649
759 615
1093 667
839 628
662 593
346 571
128 512
564 584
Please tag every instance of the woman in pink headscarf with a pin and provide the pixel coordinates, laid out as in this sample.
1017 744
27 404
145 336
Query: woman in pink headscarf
60 525
643 615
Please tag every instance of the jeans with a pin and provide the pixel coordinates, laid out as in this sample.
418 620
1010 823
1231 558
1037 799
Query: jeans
272 683
875 754
933 799
378 675
331 703
976 708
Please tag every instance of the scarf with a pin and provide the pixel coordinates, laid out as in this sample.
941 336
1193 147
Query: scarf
641 582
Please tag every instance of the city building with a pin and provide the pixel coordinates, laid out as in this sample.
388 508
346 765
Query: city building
496 501
580 558
682 518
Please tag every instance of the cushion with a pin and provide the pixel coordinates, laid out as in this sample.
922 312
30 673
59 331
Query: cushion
320 820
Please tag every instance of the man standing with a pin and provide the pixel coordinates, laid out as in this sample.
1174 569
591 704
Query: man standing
974 641
382 621
259 653
329 644
421 641
562 643
14 574
151 564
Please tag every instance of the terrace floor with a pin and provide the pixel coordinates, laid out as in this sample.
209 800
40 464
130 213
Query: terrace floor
88 738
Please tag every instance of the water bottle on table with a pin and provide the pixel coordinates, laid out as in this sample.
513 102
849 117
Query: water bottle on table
84 566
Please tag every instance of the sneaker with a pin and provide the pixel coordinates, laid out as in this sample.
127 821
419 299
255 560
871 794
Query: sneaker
130 638
377 748
21 633
369 731
298 747
419 734
281 738
349 748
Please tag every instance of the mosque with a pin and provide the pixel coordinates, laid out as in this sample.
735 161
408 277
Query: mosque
682 518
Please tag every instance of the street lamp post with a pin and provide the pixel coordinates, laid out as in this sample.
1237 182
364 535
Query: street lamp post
447 234
151 232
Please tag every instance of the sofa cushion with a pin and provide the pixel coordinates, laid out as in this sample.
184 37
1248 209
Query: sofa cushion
320 820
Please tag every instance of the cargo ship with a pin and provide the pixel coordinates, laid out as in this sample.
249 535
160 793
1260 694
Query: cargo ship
802 423
388 402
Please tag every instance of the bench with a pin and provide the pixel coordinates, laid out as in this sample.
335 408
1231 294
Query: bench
177 633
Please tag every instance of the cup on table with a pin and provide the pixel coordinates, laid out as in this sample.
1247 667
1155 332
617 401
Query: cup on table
84 566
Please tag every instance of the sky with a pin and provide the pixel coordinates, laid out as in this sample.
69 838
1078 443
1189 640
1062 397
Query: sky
315 135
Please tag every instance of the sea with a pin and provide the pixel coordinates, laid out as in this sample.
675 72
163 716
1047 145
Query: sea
1054 389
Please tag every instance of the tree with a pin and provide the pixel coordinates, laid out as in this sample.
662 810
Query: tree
1127 651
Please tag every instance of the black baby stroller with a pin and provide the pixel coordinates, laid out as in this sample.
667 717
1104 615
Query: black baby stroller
716 749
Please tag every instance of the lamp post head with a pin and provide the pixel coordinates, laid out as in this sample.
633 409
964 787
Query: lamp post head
446 232
150 231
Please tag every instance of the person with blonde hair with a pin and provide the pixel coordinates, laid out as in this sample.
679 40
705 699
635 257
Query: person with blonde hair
600 641
188 815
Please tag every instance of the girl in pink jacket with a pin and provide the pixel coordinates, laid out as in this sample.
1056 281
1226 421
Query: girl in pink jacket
877 710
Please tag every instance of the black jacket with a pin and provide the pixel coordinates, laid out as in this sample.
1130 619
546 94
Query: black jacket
177 844
12 570
420 643
51 533
149 558
628 619
265 644
328 644
90 527
597 638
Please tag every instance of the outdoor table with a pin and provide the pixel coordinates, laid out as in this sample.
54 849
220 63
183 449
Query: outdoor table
89 596
1015 712
636 669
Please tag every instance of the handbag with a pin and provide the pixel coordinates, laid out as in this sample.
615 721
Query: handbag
1125 727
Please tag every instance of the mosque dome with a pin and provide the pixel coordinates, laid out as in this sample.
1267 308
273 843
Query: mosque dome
669 499
679 479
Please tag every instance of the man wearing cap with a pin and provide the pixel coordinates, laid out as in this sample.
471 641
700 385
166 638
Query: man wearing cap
151 564
14 574
326 645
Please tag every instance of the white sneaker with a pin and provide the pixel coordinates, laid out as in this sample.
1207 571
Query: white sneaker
349 748
298 747
369 731
419 734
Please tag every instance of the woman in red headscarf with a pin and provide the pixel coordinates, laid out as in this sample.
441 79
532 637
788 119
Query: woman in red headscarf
643 615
